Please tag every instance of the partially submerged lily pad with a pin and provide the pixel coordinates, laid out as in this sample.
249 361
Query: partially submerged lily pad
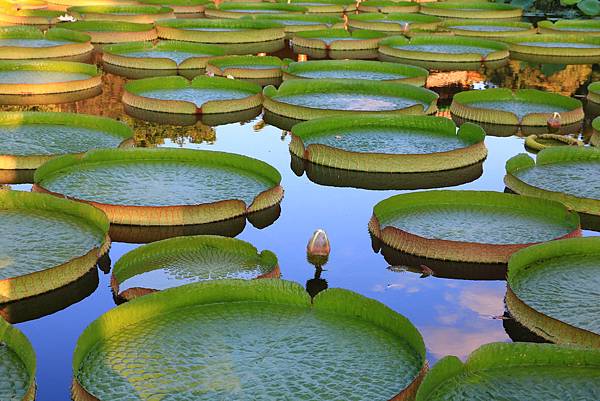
29 139
394 22
143 14
202 95
520 107
403 144
309 99
543 141
64 241
571 26
489 29
17 364
103 32
444 52
261 70
130 184
565 174
178 261
41 82
552 290
555 49
515 371
469 9
469 226
241 9
356 69
366 342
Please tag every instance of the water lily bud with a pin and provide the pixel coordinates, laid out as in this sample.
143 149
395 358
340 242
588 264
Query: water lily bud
318 248
554 123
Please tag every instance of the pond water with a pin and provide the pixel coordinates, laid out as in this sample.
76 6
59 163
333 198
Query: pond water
454 316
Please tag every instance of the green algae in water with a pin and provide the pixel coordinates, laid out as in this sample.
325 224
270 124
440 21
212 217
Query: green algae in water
33 42
155 183
564 288
198 96
349 101
579 178
176 56
249 351
488 28
572 45
50 139
521 384
39 77
388 141
519 108
446 49
350 74
32 241
486 225
14 383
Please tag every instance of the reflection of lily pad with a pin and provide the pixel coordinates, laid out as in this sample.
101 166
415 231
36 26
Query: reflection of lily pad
268 347
469 226
164 186
543 141
27 42
404 144
17 364
565 174
64 240
202 95
309 99
516 371
262 70
394 22
177 261
122 13
476 10
555 49
488 29
519 107
113 32
553 290
29 139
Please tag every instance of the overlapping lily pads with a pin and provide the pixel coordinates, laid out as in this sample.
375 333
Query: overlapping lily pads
555 49
444 52
388 6
489 29
27 43
40 18
367 343
525 107
130 185
475 10
202 95
143 14
403 144
469 226
178 261
566 174
238 36
571 26
308 99
552 290
393 22
240 9
29 139
299 22
324 6
182 8
41 82
543 141
64 240
103 32
516 371
356 69
145 59
17 363
337 43
261 70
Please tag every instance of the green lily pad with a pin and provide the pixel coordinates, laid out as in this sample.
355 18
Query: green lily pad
268 350
476 10
241 9
28 42
555 48
261 70
144 14
103 32
388 6
488 29
17 364
574 27
323 6
393 22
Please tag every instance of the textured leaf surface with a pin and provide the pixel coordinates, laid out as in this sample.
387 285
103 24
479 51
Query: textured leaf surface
519 108
39 77
15 379
349 101
198 96
577 178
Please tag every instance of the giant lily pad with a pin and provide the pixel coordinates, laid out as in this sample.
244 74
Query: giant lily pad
476 10
593 92
595 138
307 99
145 59
240 9
17 364
555 49
553 290
103 32
388 6
130 185
444 52
520 107
403 144
394 22
267 350
29 139
489 29
337 43
299 22
324 6
565 174
177 261
202 95
356 69
182 8
40 18
64 240
40 82
543 141
27 42
573 27
261 70
515 371
122 13
469 226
